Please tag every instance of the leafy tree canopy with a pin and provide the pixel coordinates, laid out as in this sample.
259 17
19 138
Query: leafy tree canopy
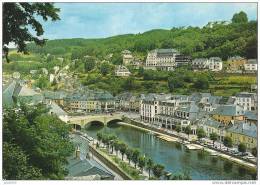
19 17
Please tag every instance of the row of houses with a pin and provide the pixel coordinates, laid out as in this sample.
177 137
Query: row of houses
202 110
169 59
237 118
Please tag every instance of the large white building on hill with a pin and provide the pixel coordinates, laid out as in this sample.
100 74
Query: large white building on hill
165 59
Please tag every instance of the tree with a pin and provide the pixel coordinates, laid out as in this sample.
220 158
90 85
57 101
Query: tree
135 156
201 133
141 162
17 17
38 131
129 84
89 64
240 17
99 136
228 141
178 128
242 147
122 149
254 151
16 165
214 137
105 68
201 83
149 166
117 146
188 130
158 170
129 154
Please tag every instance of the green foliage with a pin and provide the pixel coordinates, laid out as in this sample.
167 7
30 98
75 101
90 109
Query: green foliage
228 141
158 170
141 162
242 147
149 166
16 165
90 64
42 82
135 156
214 137
201 133
18 16
201 83
188 130
34 131
178 128
105 68
240 17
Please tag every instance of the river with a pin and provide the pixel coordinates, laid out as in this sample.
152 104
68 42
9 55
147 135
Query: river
174 156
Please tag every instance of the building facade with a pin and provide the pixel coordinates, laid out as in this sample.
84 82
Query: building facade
165 59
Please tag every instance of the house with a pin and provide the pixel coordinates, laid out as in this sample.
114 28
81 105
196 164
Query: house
150 106
247 100
127 57
212 126
90 101
236 64
227 114
242 132
55 96
122 71
251 117
215 64
200 63
165 59
251 66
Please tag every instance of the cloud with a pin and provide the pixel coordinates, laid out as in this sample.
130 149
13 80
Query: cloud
94 20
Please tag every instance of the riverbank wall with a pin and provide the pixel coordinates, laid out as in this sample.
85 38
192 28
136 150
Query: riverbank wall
108 162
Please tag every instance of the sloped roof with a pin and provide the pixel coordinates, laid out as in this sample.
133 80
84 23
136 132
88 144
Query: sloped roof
240 127
213 123
251 115
56 109
229 110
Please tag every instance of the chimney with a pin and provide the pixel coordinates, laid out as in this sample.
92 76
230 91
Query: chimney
77 153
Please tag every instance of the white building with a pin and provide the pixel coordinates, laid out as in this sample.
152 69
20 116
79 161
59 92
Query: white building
127 57
215 64
247 100
251 65
165 59
200 63
122 71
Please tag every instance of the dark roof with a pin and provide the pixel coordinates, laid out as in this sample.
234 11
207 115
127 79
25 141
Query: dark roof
251 115
228 110
240 127
213 123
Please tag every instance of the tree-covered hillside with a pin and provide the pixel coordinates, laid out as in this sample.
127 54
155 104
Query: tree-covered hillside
223 39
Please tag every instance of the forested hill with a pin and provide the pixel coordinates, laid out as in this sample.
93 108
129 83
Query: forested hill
223 39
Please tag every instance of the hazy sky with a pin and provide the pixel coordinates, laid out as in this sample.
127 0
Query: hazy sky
96 20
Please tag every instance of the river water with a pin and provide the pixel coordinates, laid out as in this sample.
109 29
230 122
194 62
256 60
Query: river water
174 156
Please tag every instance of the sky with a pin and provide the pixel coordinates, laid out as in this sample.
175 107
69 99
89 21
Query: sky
99 20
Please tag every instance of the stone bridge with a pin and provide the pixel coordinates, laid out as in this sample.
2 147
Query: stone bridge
82 121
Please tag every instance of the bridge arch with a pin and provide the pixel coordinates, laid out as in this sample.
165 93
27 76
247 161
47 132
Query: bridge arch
93 122
113 121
